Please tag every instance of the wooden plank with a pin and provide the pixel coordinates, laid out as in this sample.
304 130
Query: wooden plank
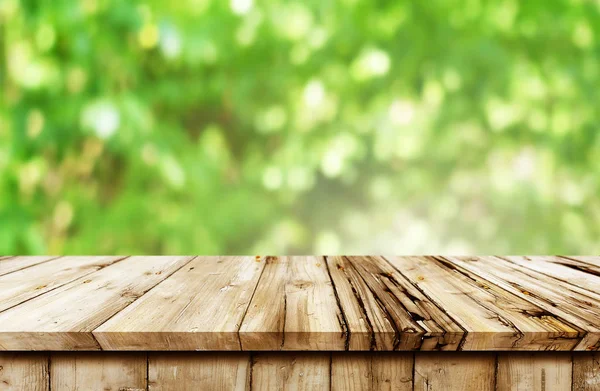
593 260
11 264
369 322
586 264
586 371
494 318
555 298
294 308
198 308
24 371
291 371
370 371
263 326
454 371
537 372
64 318
25 284
581 278
418 323
198 371
98 371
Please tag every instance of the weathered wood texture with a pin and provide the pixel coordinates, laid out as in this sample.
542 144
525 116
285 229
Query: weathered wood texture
24 371
11 264
194 371
301 371
586 372
294 308
372 371
455 371
256 303
98 371
200 307
341 371
543 372
64 318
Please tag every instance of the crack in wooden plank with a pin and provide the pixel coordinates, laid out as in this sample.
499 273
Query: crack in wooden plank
343 322
437 305
468 265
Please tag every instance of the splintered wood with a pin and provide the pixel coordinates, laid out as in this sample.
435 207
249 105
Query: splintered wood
330 303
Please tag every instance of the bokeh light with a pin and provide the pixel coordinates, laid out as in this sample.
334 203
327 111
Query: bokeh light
271 126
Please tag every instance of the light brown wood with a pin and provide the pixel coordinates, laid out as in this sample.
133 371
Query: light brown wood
417 321
593 260
370 325
301 303
24 371
536 372
25 284
126 371
291 371
64 318
494 318
198 371
300 313
11 264
581 278
198 308
586 371
455 371
372 371
263 326
553 296
98 371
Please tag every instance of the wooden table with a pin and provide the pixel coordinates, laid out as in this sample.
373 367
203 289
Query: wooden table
303 322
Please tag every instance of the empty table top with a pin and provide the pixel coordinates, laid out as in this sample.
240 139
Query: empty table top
252 303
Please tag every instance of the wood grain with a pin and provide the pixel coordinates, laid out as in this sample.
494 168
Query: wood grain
299 311
455 371
24 371
254 303
581 278
197 371
593 260
586 371
554 297
25 284
11 264
368 322
418 323
373 372
291 371
98 371
494 318
198 308
536 372
133 371
64 318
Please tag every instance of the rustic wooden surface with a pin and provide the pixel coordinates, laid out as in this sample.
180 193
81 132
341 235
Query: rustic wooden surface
92 371
534 371
455 371
24 371
337 371
338 303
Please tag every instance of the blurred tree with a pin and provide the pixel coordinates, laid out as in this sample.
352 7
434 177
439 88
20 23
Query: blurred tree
249 126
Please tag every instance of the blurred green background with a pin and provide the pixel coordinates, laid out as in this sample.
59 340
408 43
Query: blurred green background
318 126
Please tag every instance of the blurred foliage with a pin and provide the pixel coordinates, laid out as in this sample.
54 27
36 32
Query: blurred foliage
321 126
